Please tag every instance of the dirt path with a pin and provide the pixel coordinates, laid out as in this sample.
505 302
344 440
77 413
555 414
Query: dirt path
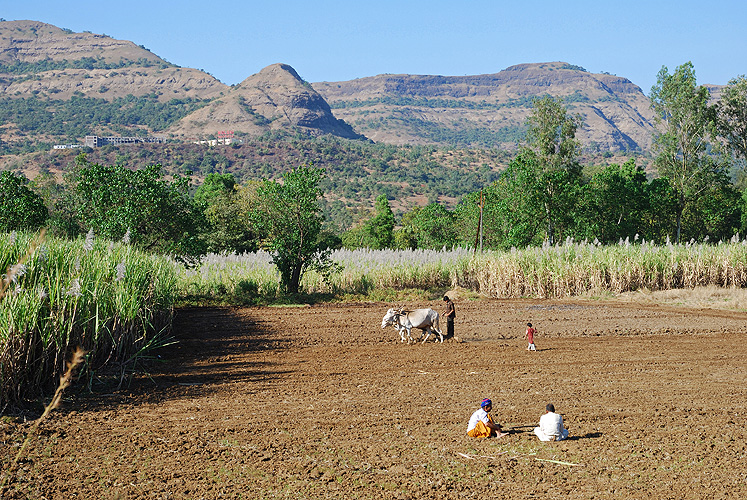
320 402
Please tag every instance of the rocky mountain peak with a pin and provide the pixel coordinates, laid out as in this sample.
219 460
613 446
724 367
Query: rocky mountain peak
275 98
275 73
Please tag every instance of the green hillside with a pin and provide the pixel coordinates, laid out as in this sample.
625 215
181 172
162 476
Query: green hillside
357 171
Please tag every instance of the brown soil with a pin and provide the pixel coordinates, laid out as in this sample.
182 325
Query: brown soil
320 402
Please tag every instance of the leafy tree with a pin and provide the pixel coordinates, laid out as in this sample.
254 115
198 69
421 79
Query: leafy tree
662 205
377 232
225 205
289 216
538 190
716 214
380 227
20 207
60 202
732 111
512 208
743 223
229 228
552 138
158 213
613 203
356 237
213 187
685 145
328 240
732 122
431 226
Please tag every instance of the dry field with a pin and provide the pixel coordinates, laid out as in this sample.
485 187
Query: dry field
320 402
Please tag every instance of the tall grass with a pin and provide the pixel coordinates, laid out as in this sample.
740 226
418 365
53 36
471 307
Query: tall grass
571 269
364 271
230 279
251 277
107 298
586 268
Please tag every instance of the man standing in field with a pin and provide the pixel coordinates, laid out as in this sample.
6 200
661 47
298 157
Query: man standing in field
449 314
481 422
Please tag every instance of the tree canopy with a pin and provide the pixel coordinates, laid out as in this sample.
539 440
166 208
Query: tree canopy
288 216
158 214
552 139
685 147
20 207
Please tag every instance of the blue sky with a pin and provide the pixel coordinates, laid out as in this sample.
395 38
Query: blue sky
332 40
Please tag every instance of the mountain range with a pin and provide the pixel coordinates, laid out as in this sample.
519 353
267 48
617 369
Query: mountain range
57 74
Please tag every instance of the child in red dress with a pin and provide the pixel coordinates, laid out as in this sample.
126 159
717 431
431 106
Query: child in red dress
529 335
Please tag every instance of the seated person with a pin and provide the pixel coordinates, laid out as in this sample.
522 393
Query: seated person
481 422
551 426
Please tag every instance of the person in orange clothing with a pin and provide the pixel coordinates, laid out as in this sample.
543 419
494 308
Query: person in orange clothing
481 422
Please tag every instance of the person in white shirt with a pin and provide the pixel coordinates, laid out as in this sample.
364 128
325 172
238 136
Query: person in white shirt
481 422
551 426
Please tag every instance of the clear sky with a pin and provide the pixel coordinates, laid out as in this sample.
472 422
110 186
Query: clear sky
333 40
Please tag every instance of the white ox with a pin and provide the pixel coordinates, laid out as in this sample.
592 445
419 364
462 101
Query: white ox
405 321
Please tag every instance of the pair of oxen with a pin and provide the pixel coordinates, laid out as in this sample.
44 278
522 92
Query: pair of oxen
404 321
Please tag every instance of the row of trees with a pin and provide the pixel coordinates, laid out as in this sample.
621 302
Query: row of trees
543 196
546 196
162 215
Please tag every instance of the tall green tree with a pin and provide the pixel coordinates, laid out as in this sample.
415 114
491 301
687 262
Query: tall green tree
59 199
376 232
732 116
289 216
20 207
536 195
732 127
662 207
514 209
613 204
537 192
224 205
684 145
380 227
159 214
356 237
551 136
431 226
716 214
214 186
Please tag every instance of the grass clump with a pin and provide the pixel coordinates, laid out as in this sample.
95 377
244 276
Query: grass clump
108 298
584 268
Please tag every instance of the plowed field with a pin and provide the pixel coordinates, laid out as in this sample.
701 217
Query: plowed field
320 402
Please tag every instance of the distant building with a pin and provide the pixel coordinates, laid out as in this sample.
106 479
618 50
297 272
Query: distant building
67 146
215 142
224 137
94 141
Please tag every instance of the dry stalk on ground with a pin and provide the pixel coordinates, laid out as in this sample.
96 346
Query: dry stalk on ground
65 380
